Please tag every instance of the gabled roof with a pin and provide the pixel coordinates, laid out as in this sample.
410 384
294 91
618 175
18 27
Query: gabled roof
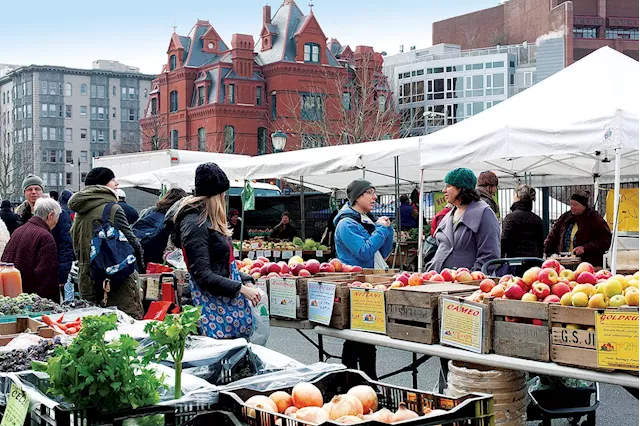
255 77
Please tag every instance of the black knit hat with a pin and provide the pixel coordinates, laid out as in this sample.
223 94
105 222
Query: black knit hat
582 197
99 176
356 188
210 180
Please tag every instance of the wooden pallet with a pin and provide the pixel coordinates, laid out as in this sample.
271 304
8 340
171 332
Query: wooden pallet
412 312
517 339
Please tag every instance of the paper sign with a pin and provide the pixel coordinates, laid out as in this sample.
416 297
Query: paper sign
321 297
153 289
287 254
368 310
276 254
439 202
299 253
628 210
319 253
617 339
260 253
252 255
282 297
267 253
236 253
255 245
261 283
17 407
461 325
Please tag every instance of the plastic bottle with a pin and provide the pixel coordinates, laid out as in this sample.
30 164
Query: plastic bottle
11 280
2 265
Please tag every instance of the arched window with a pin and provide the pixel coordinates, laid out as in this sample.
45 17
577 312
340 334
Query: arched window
83 89
174 139
202 139
172 62
229 139
262 141
173 98
67 89
312 52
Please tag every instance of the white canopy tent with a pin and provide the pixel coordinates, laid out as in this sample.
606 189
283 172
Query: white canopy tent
573 125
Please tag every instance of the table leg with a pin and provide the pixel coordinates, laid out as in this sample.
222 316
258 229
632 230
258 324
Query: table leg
414 369
444 371
320 348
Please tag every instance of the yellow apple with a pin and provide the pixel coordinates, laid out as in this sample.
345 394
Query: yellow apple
599 288
587 289
623 280
632 298
580 300
612 287
598 301
617 300
629 290
591 329
565 300
633 282
573 327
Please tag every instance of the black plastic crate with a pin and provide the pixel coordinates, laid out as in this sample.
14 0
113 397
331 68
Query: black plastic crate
470 410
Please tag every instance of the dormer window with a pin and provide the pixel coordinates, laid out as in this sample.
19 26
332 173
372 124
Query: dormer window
312 52
172 62
201 93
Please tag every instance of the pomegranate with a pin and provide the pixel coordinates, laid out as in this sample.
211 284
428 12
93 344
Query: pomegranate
315 415
345 405
367 397
306 395
282 400
403 414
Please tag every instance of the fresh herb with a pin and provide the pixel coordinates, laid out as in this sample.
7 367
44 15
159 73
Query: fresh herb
92 373
169 338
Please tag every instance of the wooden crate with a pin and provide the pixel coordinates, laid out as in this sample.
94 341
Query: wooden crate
11 330
487 319
412 312
519 339
576 348
389 272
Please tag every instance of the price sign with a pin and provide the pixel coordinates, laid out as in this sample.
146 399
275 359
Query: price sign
287 254
153 289
321 297
261 283
319 253
617 339
461 325
17 407
368 310
252 255
299 253
276 254
267 253
236 253
260 253
282 297
255 245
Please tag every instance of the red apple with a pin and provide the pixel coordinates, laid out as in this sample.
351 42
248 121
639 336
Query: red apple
304 273
552 298
326 267
537 321
284 268
586 278
273 275
407 273
403 278
258 264
515 292
346 268
541 290
263 259
437 277
523 284
427 276
337 265
396 284
463 270
477 275
415 279
498 291
603 274
585 267
274 267
548 276
531 275
505 278
529 297
296 268
553 264
486 285
356 284
254 271
356 269
313 266
256 275
265 269
463 277
448 275
560 289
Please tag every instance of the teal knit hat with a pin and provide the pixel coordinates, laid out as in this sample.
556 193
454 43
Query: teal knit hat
461 178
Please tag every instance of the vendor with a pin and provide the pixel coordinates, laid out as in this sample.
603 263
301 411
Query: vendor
581 231
408 214
284 230
235 224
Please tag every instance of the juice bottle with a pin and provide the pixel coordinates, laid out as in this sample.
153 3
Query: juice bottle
11 280
1 286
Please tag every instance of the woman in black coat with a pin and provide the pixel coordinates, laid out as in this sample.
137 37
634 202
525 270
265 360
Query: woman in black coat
522 233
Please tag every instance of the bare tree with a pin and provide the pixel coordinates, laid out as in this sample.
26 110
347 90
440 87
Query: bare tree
129 142
499 38
15 160
154 132
471 34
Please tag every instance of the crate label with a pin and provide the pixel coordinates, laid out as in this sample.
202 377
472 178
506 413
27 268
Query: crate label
267 253
260 253
236 253
461 325
617 339
255 245
252 255
299 253
153 289
276 254
321 297
368 310
287 254
319 253
282 297
17 407
261 283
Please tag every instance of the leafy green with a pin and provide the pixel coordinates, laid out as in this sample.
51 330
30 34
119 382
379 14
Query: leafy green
109 376
169 338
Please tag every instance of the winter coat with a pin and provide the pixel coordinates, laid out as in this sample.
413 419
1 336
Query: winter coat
488 198
10 219
131 213
4 237
438 218
407 221
471 243
522 232
207 254
355 244
89 205
61 235
154 249
64 202
237 229
593 234
32 250
288 233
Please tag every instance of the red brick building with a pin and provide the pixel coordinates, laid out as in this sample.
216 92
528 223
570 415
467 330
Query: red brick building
587 25
219 98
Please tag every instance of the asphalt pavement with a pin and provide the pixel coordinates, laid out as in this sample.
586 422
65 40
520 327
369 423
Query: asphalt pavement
617 406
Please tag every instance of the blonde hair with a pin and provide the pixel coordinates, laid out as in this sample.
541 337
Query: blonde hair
212 210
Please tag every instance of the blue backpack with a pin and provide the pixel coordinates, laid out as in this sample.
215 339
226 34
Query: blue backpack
149 226
112 257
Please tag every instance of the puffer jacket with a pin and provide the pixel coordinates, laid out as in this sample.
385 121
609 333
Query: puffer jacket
89 205
357 246
522 232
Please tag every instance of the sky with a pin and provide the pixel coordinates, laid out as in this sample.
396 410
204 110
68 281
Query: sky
74 33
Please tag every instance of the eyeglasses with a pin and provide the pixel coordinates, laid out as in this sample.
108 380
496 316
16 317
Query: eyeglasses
370 191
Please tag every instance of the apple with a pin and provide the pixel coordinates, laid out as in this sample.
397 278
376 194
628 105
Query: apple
415 280
274 267
258 264
560 289
514 292
448 275
552 298
512 319
284 268
567 274
366 285
537 321
254 270
262 259
463 277
522 284
565 300
265 269
586 278
580 300
381 287
632 298
529 297
407 273
403 279
427 276
531 275
296 268
505 278
498 291
273 275
617 300
437 277
326 267
478 276
548 276
541 290
337 265
612 287
553 264
462 270
603 274
256 275
247 261
239 264
356 269
304 273
396 284
245 269
585 267
486 285
346 268
598 301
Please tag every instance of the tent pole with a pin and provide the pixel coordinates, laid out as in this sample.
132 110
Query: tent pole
241 223
616 206
302 221
396 165
421 222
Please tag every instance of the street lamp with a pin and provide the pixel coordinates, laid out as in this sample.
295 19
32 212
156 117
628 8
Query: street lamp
279 140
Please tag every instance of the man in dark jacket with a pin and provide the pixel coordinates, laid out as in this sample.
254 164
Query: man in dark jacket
32 250
522 231
284 230
131 213
487 188
64 202
581 231
10 219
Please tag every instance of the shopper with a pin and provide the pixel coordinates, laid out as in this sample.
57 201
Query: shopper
64 203
11 220
89 204
216 284
54 195
32 250
150 228
130 212
362 240
469 236
284 230
438 218
487 188
581 231
409 214
235 224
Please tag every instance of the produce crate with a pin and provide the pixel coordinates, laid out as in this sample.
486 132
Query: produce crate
487 319
301 299
371 271
576 348
473 409
412 312
13 318
11 330
519 339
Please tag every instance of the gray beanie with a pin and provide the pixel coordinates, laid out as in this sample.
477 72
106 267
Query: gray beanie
356 189
31 180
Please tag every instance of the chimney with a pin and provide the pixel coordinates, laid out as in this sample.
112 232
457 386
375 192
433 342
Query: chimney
242 54
401 48
266 14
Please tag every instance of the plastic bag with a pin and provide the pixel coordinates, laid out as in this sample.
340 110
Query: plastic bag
261 325
176 260
22 341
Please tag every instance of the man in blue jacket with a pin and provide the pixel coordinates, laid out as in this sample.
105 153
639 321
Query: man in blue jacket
361 240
